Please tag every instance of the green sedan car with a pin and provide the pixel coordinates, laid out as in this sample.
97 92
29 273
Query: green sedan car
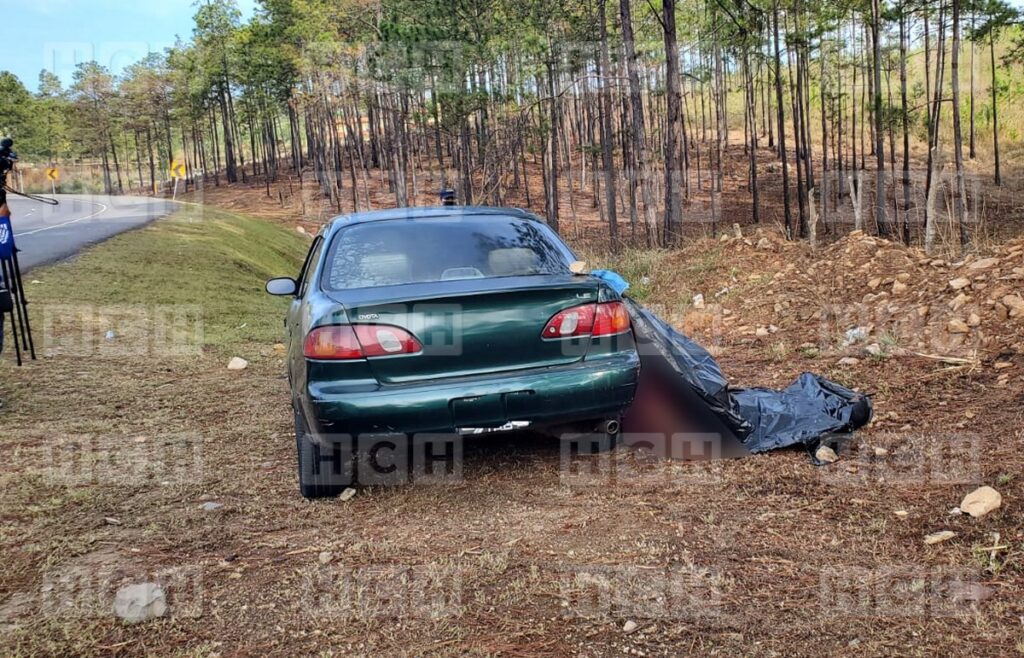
447 321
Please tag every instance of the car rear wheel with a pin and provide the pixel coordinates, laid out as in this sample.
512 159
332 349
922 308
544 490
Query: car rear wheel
315 480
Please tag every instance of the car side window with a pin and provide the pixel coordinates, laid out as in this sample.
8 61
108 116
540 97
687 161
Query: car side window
307 268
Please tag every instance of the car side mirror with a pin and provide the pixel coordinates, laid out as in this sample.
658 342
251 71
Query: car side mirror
283 287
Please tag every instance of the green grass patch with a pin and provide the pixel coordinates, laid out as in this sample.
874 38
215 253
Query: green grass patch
211 259
655 276
640 267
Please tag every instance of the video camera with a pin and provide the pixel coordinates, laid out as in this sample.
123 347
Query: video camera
7 158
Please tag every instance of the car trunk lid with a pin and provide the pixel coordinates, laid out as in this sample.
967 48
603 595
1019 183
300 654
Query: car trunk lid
473 327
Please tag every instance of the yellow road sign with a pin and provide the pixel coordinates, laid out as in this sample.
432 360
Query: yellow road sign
177 169
53 173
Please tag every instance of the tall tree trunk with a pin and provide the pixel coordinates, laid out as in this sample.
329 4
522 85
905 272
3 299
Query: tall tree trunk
960 199
551 197
973 151
152 163
606 129
117 164
927 64
782 126
673 101
231 168
755 199
905 123
880 185
995 106
824 142
796 96
638 129
934 165
105 159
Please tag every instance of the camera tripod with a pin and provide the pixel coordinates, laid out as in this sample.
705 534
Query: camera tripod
12 295
13 301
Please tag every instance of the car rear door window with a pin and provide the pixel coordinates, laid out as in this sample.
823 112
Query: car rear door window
397 252
309 266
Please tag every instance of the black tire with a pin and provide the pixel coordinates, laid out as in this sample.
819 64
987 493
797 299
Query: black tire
314 482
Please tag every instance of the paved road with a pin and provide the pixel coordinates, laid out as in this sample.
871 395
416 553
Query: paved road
46 234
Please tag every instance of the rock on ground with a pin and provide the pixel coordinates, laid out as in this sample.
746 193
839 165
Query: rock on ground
981 501
959 282
826 455
983 264
939 537
139 603
1015 303
958 326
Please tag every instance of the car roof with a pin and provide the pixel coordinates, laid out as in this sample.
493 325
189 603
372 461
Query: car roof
428 212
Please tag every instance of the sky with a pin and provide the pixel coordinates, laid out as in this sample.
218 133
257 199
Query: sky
58 34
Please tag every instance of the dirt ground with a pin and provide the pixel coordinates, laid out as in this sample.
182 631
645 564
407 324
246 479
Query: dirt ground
529 551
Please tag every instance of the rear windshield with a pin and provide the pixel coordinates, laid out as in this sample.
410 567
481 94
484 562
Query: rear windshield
396 252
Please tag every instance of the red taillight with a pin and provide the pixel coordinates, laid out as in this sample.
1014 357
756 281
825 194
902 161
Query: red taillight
588 320
572 322
612 319
334 343
385 340
348 342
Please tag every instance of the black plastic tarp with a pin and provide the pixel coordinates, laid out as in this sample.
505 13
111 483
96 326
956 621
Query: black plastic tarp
809 411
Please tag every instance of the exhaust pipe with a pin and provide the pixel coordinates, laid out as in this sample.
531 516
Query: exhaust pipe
611 427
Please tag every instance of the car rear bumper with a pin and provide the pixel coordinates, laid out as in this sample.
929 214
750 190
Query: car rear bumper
591 389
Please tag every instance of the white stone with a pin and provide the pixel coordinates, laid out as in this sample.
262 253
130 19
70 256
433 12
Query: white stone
981 501
826 455
939 537
139 603
959 282
983 264
238 363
